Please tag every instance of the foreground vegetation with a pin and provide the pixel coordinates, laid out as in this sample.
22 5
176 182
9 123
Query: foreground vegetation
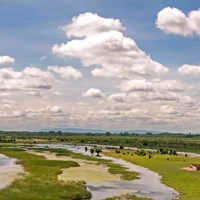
40 182
170 168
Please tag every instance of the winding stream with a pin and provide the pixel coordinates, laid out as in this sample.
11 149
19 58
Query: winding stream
9 170
149 184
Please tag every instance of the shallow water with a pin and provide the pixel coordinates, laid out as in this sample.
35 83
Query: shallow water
9 170
148 185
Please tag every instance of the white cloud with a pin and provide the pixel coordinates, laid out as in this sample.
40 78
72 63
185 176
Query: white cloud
148 86
30 78
173 20
119 97
117 55
49 112
91 24
54 109
57 93
167 109
35 93
13 114
10 73
136 85
6 60
4 94
189 70
36 72
154 96
116 115
93 92
188 100
10 109
67 72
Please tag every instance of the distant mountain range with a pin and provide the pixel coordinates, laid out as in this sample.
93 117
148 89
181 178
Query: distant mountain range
79 130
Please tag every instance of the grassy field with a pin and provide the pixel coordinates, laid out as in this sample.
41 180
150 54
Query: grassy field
169 166
40 182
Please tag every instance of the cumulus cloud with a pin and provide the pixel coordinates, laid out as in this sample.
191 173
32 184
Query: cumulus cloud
50 113
119 97
136 85
36 72
148 86
35 93
10 73
54 109
93 92
173 20
116 115
167 109
155 96
191 70
29 79
12 114
10 109
6 60
117 55
67 72
91 24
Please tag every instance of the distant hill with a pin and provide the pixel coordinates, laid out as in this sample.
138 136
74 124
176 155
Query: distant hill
79 130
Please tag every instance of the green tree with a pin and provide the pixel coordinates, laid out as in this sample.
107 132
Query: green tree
121 147
98 151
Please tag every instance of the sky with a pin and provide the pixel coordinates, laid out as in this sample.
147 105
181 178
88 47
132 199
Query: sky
100 64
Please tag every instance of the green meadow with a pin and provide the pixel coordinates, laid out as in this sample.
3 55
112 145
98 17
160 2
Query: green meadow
40 181
170 168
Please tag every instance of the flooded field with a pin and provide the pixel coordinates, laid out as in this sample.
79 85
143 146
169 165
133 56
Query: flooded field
9 170
102 184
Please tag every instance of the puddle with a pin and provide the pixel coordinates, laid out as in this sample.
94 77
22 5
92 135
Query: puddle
9 171
148 185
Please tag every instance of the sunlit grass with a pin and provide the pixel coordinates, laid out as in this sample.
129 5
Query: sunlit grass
170 168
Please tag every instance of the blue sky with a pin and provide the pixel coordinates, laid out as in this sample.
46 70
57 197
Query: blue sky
48 87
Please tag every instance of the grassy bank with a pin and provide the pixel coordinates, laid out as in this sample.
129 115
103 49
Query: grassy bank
113 168
40 182
169 167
